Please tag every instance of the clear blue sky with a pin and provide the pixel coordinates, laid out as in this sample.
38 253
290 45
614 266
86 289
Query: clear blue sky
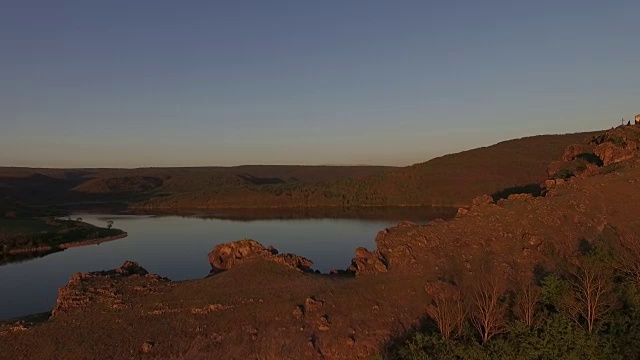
157 83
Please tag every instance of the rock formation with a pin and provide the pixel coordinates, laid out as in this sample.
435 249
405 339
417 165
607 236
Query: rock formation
225 256
84 289
584 160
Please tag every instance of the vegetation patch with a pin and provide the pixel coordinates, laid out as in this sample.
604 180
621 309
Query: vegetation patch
48 234
589 308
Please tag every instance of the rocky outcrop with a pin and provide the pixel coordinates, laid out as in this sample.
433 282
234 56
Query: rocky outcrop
552 183
100 287
367 262
585 160
129 268
482 200
520 197
477 202
573 151
611 153
225 256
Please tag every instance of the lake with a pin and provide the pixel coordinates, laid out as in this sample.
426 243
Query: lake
177 246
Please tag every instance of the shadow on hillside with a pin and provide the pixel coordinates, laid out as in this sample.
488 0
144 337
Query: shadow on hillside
36 187
591 158
532 189
261 181
41 189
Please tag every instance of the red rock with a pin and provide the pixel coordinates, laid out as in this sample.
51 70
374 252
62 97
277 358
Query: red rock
574 150
362 252
311 305
609 153
226 256
520 197
482 200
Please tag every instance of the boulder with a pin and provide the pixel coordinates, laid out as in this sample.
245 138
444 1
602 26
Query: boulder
311 305
482 200
609 153
368 263
362 252
131 268
573 151
225 256
555 167
520 197
462 211
147 346
292 261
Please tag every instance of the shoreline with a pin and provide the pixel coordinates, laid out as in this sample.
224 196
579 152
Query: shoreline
64 246
134 206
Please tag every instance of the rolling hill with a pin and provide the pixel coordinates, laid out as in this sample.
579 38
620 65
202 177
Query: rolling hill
452 180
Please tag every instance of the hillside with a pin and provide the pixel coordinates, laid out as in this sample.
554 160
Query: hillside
513 166
59 186
579 235
451 180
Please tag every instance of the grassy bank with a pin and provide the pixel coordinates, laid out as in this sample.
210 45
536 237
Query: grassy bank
34 235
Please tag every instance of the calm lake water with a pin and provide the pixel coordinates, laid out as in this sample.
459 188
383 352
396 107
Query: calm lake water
177 247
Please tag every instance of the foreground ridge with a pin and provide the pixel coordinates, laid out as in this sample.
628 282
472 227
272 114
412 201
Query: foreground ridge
258 304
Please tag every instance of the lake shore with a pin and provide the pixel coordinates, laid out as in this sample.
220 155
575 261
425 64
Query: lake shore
48 248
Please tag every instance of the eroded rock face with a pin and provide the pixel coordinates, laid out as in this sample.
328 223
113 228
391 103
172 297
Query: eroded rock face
131 268
100 287
610 153
367 262
586 160
482 200
573 151
225 256
520 197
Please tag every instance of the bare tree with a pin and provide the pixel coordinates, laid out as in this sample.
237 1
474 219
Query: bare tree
109 224
527 303
628 257
591 296
447 308
485 300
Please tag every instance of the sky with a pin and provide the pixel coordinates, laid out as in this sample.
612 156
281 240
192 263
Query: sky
228 82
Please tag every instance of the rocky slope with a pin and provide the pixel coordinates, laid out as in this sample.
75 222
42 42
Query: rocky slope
262 307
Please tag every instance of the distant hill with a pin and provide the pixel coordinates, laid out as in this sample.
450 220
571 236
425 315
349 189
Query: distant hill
55 186
511 166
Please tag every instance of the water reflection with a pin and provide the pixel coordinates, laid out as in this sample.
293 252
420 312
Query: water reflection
177 246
